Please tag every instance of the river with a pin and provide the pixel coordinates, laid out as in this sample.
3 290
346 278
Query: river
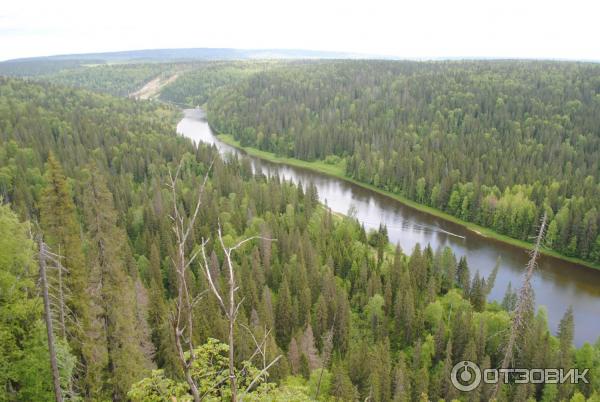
557 283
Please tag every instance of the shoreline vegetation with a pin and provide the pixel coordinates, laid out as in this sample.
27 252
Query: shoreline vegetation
337 171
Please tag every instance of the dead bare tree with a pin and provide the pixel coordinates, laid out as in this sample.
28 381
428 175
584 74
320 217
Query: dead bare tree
57 292
58 314
524 302
326 355
261 349
61 298
230 308
43 256
182 318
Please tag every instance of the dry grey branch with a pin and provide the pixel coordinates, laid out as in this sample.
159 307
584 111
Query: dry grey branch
524 302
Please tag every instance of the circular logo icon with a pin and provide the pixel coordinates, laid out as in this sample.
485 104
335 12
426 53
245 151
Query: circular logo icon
465 376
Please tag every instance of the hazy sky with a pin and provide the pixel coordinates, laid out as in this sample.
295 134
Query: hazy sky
413 29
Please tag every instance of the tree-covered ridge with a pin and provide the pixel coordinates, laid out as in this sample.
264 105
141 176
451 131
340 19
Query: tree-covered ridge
196 86
352 317
496 143
78 127
195 83
29 68
116 79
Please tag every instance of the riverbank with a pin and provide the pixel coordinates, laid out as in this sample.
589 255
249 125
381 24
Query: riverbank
338 170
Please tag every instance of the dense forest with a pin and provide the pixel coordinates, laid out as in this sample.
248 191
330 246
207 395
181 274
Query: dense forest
28 68
196 80
111 190
119 79
197 86
114 79
496 143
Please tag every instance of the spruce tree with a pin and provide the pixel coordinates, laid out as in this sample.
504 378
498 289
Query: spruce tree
284 319
342 388
566 330
463 276
116 347
401 384
58 218
381 370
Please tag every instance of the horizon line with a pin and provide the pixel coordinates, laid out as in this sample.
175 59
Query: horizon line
343 55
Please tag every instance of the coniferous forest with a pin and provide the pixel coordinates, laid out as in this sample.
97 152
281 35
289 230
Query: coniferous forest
496 143
165 272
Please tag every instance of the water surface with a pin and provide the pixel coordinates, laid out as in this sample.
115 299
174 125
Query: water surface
557 283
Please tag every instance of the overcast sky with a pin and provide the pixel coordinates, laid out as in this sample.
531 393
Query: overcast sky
567 29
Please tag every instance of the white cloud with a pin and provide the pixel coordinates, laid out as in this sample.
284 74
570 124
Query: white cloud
419 28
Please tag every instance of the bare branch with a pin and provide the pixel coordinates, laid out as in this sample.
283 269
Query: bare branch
200 192
47 315
523 303
262 373
241 243
209 277
237 308
259 346
182 318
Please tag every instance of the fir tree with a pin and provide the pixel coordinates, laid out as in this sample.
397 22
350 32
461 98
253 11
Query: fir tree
61 229
115 342
283 315
566 329
463 276
342 388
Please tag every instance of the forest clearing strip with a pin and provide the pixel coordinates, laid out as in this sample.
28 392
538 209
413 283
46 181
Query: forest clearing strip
152 88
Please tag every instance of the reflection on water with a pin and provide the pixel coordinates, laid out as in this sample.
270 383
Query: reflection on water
557 283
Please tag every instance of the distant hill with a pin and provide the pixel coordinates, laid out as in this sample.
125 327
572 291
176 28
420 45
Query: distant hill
33 66
195 54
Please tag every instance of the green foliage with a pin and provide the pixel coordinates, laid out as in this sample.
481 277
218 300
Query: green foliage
33 370
398 322
491 142
27 68
19 310
321 379
116 79
283 393
62 233
342 388
196 86
211 368
24 358
210 371
113 303
158 388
